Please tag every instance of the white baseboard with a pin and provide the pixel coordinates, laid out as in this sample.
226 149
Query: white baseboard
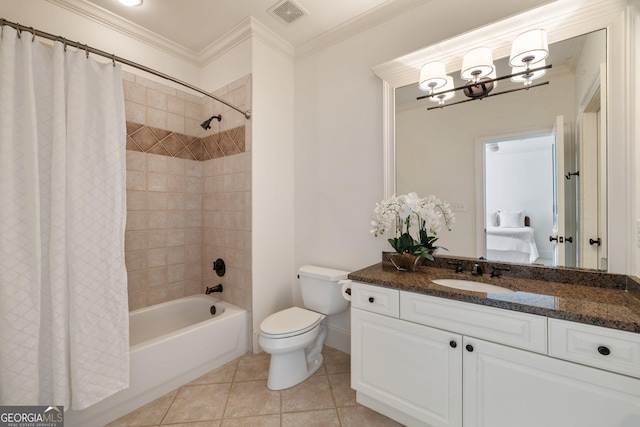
339 339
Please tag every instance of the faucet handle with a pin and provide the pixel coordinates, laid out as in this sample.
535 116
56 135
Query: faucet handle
495 271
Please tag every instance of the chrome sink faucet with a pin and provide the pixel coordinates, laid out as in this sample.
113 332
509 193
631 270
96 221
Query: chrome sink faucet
476 270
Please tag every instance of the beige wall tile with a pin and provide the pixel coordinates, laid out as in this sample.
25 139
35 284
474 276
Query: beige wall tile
157 99
156 182
136 200
157 238
176 237
175 123
136 180
157 276
157 257
156 118
134 92
135 240
156 163
175 105
135 112
137 220
175 166
157 201
136 161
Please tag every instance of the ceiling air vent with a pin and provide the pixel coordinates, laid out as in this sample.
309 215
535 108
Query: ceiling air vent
287 10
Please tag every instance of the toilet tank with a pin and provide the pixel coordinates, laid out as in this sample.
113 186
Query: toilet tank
321 290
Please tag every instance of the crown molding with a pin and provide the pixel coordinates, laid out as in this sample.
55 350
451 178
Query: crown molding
248 28
123 26
356 25
562 19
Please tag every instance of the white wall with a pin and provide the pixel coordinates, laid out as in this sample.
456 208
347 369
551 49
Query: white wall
272 183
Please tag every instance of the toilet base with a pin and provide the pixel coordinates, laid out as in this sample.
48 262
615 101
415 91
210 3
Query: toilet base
287 370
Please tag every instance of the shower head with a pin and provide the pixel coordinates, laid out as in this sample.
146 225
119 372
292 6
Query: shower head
207 123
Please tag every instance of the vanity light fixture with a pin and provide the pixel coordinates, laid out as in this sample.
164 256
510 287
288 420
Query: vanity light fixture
433 75
446 93
529 75
527 59
476 64
131 2
529 48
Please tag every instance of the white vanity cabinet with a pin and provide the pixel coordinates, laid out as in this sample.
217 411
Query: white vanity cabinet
438 362
504 386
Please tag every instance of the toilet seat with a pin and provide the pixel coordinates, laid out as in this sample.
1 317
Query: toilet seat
290 322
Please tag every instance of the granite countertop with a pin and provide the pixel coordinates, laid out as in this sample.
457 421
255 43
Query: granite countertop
591 303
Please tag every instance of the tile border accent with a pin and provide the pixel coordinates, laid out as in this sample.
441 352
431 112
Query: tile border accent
148 139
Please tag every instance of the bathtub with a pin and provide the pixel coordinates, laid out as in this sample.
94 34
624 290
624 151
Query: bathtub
171 344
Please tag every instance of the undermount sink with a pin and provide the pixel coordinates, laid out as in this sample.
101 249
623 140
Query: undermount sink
469 285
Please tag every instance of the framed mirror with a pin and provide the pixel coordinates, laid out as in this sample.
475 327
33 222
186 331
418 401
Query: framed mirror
443 156
499 158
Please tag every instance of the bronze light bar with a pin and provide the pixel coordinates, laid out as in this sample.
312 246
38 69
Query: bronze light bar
486 81
486 96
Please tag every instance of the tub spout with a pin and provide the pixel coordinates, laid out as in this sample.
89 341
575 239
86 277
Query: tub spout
214 289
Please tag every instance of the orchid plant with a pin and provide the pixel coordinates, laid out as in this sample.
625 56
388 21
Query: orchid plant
416 222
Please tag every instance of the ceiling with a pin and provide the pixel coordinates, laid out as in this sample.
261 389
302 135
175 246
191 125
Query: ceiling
195 25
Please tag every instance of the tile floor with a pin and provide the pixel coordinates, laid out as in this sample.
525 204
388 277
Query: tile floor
236 394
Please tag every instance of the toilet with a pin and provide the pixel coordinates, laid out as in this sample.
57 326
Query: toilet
294 337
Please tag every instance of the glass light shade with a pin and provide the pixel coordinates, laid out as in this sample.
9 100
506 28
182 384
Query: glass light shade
442 98
433 75
131 2
477 63
529 48
527 78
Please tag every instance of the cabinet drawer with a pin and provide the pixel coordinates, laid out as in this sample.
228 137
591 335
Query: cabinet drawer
375 299
604 348
515 329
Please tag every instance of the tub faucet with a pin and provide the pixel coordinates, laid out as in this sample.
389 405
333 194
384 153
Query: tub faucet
214 289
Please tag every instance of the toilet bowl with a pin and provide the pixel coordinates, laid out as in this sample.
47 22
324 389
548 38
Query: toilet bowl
294 337
290 337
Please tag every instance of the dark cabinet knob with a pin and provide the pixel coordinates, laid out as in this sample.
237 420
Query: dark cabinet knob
469 348
553 239
595 242
370 299
604 350
453 344
569 239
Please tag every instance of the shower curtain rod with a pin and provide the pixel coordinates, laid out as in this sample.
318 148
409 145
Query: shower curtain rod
114 58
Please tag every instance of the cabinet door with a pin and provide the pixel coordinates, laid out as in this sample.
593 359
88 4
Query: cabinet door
411 368
506 387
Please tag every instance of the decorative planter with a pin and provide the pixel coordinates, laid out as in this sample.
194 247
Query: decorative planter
406 262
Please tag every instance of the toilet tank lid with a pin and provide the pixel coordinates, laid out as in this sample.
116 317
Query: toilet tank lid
322 273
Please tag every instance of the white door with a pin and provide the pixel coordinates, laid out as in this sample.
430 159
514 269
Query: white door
558 231
411 368
507 387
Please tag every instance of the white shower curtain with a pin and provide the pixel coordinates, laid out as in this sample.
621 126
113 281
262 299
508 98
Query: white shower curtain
64 337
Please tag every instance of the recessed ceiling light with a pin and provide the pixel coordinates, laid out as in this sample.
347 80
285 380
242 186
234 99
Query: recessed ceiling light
131 2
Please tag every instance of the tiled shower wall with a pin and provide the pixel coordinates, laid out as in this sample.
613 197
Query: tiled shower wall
188 193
